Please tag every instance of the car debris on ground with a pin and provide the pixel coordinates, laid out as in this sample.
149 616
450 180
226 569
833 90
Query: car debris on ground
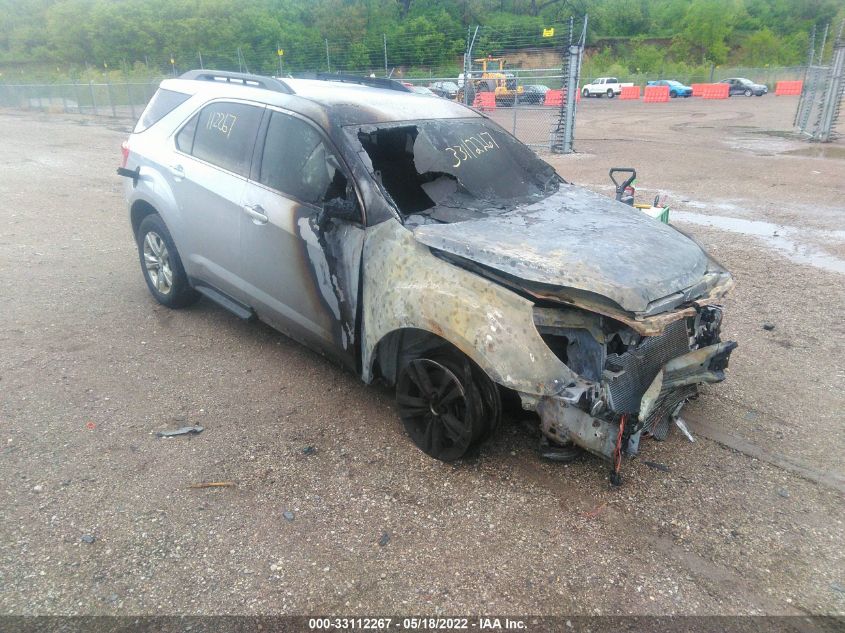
185 430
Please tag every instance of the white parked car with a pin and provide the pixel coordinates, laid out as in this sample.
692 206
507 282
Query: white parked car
603 86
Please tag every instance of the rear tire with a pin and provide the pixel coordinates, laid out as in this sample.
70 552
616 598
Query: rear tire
610 94
673 94
162 266
748 93
585 93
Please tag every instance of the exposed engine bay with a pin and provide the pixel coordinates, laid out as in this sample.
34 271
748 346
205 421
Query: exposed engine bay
638 383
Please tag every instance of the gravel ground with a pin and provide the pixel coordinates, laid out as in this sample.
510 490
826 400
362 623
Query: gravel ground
99 517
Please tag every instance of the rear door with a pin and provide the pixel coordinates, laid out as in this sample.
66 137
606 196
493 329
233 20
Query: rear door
209 174
301 268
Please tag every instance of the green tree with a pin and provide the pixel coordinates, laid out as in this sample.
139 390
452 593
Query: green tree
706 27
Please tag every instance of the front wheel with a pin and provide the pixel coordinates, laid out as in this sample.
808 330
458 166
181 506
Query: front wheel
162 266
446 404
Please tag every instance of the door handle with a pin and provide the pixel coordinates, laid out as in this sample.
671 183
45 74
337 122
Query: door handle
178 171
256 212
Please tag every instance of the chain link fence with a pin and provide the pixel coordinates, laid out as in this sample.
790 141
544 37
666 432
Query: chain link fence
514 68
527 76
124 99
823 91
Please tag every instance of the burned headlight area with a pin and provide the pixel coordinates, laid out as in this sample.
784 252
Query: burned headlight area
644 380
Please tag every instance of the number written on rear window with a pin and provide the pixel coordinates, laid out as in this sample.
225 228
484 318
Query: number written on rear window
222 134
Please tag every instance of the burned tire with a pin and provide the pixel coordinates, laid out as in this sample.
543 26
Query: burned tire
162 266
446 404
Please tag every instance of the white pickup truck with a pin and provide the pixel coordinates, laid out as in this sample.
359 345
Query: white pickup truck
603 86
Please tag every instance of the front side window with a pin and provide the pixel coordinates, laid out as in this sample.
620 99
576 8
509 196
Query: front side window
297 162
222 134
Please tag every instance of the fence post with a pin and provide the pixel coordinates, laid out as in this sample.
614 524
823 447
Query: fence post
111 98
833 94
64 97
384 39
469 87
76 94
564 134
328 61
129 99
93 98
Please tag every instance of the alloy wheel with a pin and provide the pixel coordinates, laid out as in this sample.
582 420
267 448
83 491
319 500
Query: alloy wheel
157 263
435 409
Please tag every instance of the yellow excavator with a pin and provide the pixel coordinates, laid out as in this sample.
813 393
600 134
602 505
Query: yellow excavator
494 79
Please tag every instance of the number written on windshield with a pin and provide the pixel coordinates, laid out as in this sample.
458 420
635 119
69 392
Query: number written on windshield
471 147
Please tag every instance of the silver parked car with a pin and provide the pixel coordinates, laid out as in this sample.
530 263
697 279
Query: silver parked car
415 241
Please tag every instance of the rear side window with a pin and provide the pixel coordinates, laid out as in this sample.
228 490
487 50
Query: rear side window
162 103
222 134
295 162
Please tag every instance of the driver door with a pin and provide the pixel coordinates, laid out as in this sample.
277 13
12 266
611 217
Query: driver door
301 267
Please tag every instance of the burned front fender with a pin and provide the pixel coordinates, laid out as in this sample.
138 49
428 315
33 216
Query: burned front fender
406 286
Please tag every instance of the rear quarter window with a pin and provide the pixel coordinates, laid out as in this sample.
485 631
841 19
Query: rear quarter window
224 135
162 103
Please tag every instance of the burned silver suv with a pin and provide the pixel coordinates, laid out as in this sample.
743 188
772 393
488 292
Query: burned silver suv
415 241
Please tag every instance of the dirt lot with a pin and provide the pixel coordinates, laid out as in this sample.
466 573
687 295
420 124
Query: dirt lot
747 520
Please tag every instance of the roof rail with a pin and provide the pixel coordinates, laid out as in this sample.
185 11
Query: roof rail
244 79
374 82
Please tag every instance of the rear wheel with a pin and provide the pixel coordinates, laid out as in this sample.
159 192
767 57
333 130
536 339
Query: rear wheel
446 404
610 94
162 266
585 93
747 93
673 94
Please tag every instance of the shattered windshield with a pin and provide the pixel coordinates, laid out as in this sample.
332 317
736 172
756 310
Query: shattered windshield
449 170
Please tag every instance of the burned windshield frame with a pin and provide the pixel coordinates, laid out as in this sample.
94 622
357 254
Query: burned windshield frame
448 170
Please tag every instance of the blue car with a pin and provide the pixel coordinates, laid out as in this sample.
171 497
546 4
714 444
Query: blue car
676 88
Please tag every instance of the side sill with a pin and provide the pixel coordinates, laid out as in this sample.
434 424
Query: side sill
232 305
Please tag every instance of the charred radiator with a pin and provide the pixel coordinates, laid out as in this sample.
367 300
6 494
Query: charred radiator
628 375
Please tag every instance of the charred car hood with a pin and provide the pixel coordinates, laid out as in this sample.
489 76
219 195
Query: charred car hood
582 240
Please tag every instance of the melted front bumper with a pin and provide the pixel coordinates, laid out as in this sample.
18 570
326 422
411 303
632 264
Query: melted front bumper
563 421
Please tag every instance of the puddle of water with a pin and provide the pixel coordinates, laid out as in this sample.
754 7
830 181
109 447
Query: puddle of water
784 239
770 146
820 150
